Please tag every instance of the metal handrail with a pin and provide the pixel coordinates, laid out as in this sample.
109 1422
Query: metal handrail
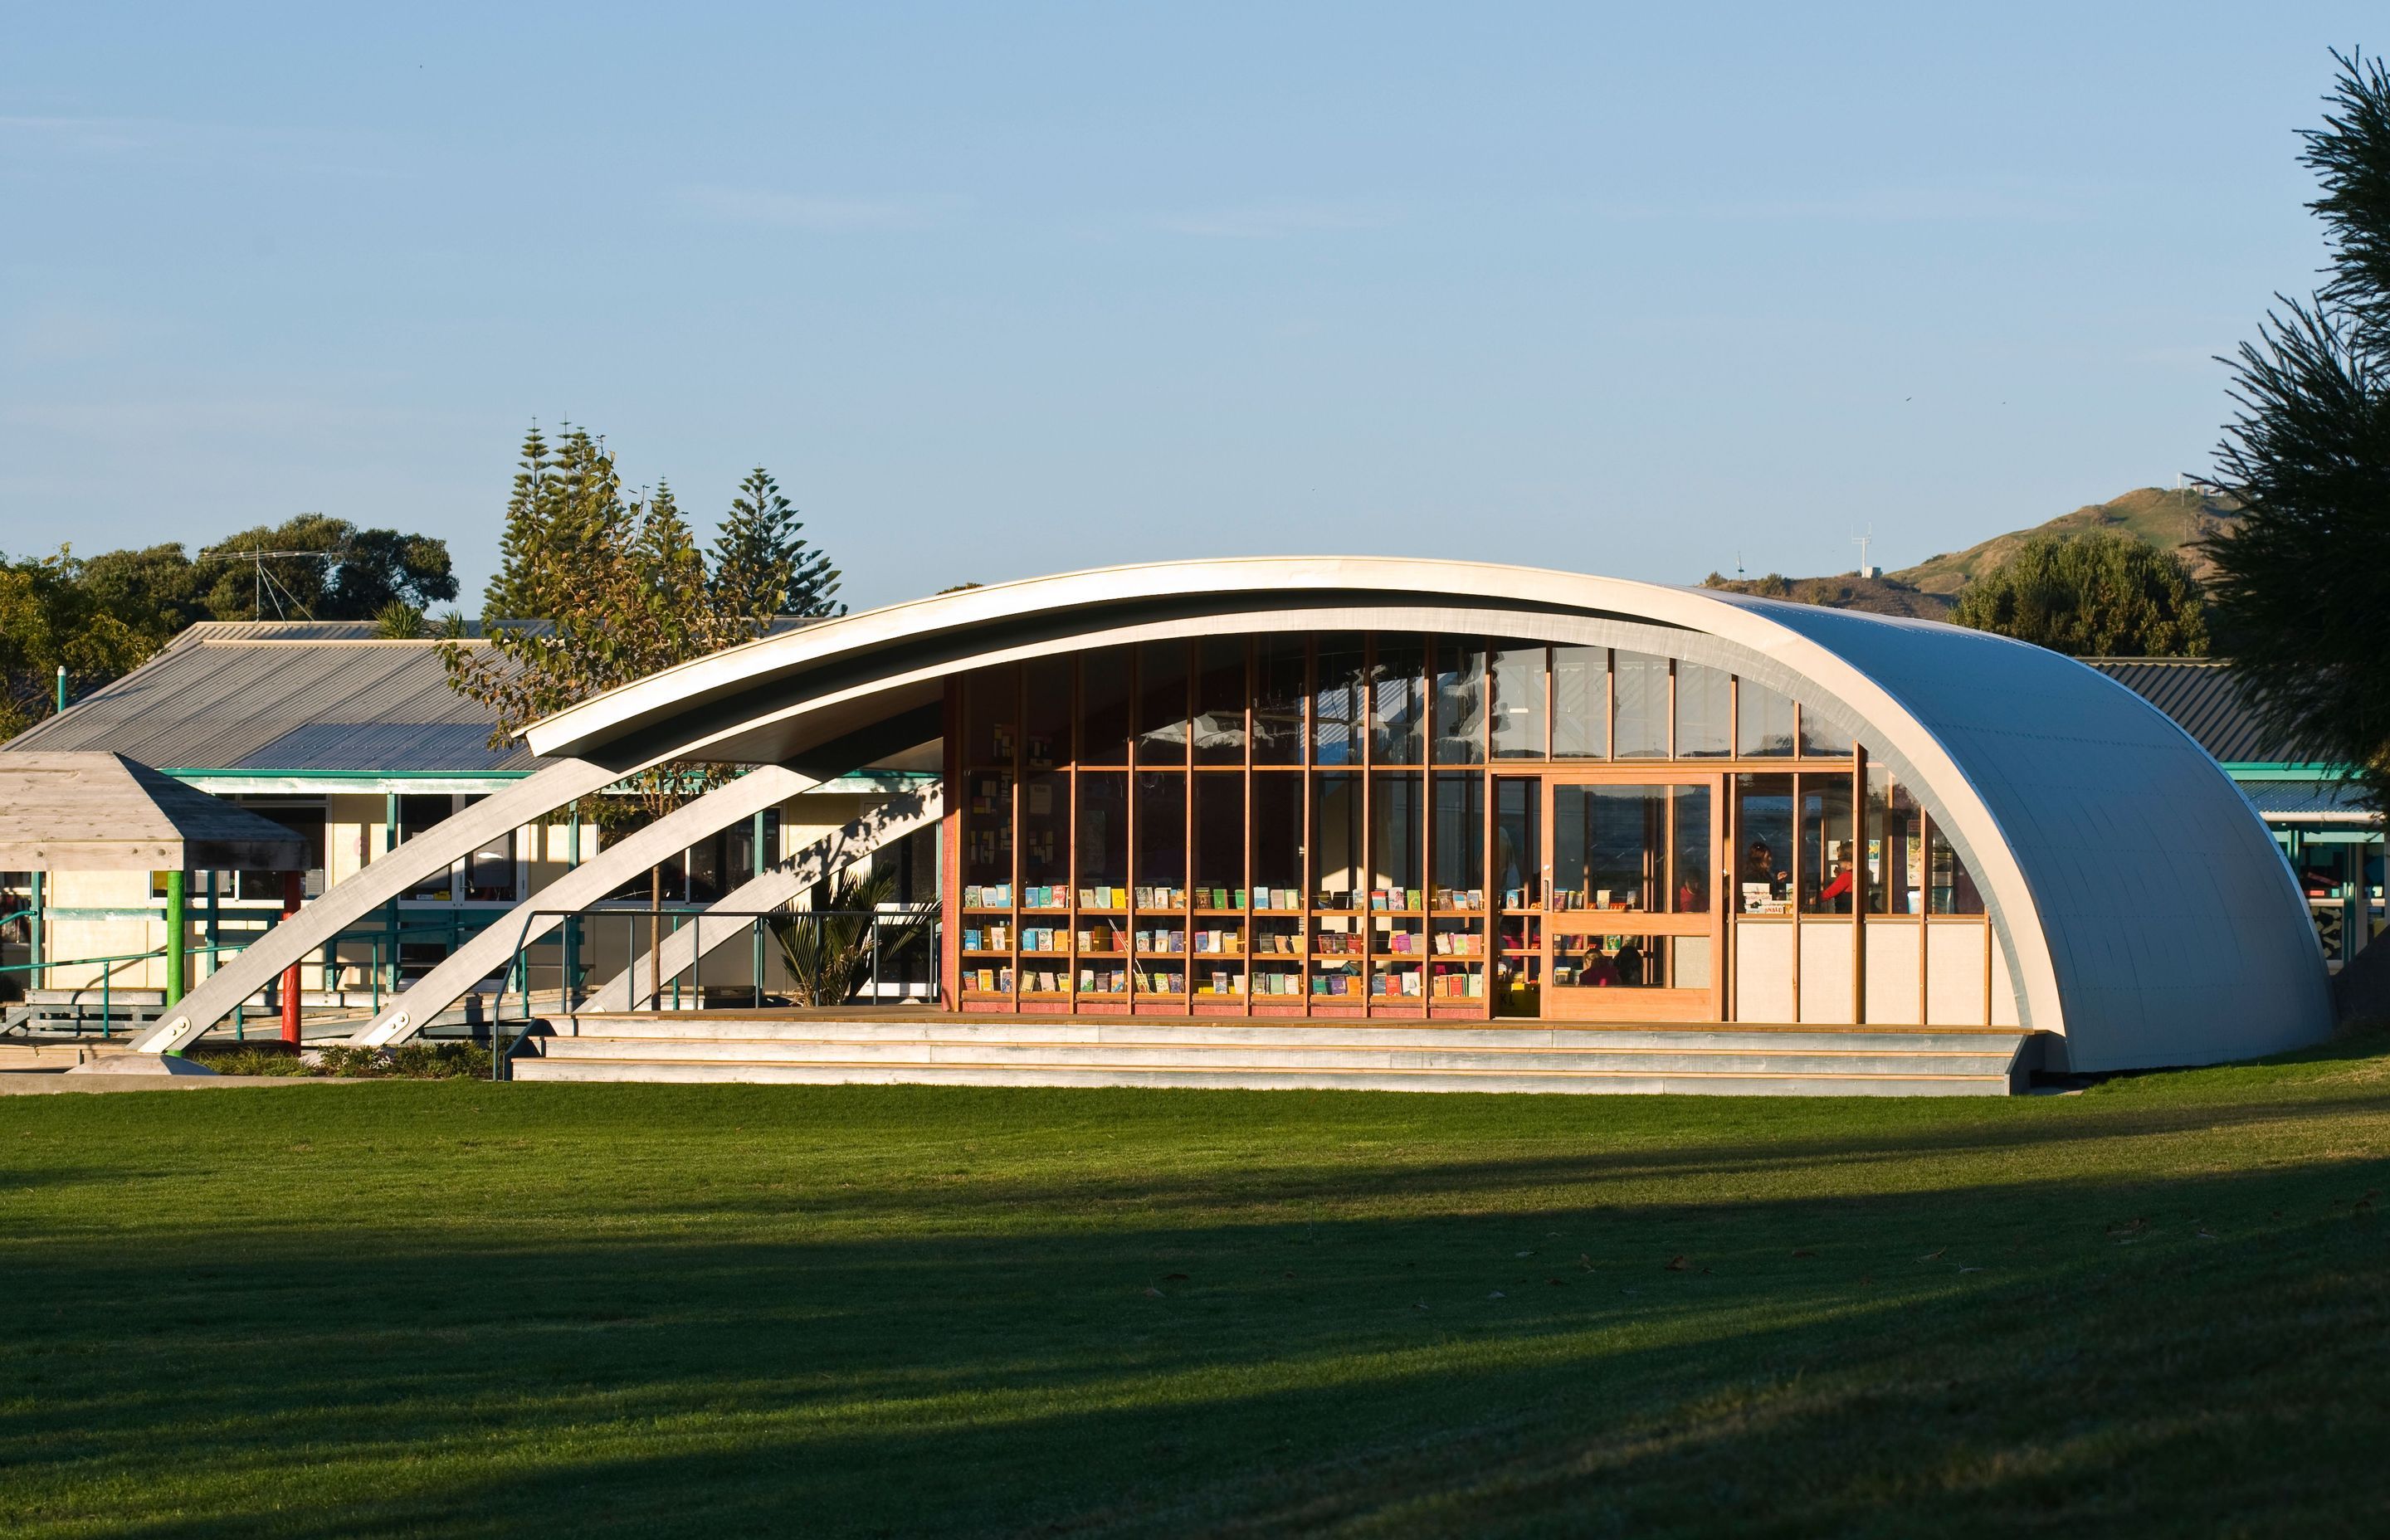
518 969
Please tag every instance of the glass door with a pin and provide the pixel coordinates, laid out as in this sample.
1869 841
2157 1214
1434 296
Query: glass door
1632 930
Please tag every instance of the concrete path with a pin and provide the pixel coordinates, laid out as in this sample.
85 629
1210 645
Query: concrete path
35 1082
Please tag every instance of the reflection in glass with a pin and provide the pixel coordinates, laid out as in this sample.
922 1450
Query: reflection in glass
993 720
1219 840
1580 702
1162 703
1160 859
1822 738
987 828
1045 702
1103 706
1638 685
1518 841
1219 726
1102 853
1829 858
1395 855
1689 868
1518 686
1705 711
1951 888
1459 702
1278 689
1336 838
1336 703
1762 721
1458 846
1046 835
1398 702
1277 840
1763 821
1610 848
1895 847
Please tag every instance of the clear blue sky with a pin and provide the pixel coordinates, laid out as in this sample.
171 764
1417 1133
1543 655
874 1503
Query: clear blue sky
1000 290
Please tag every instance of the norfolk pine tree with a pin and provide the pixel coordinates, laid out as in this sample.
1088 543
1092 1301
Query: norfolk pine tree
593 591
762 566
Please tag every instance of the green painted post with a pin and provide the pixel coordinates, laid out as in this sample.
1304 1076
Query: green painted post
62 686
177 921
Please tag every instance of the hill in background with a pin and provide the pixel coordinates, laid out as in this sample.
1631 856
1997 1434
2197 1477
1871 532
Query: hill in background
2172 520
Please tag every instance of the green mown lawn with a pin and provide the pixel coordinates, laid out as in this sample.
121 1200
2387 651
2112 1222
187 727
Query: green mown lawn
2159 1307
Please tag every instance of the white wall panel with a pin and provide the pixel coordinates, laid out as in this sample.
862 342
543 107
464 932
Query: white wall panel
1763 971
1826 995
1892 963
1954 974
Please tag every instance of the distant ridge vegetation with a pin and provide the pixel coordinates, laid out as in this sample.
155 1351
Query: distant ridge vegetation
2171 521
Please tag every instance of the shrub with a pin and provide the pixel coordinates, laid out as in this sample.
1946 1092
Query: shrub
251 1058
407 1062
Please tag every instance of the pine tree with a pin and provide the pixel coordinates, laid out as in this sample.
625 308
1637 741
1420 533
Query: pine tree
762 566
2302 596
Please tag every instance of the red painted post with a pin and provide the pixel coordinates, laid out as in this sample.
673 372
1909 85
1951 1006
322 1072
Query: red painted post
291 883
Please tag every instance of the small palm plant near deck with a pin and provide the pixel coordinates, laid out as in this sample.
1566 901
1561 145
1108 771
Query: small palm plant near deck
830 952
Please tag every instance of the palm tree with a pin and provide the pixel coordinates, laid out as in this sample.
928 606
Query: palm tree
830 952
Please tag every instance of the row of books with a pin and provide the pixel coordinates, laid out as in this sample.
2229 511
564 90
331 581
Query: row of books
987 937
1409 983
987 845
1600 898
1443 943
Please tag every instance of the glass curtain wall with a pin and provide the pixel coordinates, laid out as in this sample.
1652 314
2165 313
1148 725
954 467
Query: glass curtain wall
1353 823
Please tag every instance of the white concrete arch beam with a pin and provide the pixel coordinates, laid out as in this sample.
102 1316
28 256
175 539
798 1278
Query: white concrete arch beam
901 815
587 884
583 886
420 858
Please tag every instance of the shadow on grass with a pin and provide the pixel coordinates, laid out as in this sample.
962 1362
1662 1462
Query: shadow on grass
2190 1349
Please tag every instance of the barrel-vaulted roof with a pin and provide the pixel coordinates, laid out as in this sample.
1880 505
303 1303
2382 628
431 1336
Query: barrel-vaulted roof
2141 907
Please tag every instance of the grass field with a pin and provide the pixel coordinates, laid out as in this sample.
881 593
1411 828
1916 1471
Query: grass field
2160 1307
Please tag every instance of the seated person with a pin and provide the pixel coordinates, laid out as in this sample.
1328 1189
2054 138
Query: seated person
1628 962
1835 897
1597 969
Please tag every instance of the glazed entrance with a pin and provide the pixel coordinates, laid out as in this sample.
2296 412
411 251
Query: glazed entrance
1631 931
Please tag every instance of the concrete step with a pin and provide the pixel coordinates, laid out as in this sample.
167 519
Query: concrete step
1314 1055
1330 1055
1581 1081
721 1027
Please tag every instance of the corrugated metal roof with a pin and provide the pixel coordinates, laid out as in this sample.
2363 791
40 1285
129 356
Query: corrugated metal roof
2204 696
267 698
2338 801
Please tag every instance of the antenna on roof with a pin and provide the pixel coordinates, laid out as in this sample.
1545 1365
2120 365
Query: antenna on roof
260 579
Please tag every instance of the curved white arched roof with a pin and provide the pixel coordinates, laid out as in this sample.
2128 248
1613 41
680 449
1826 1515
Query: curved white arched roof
2143 908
